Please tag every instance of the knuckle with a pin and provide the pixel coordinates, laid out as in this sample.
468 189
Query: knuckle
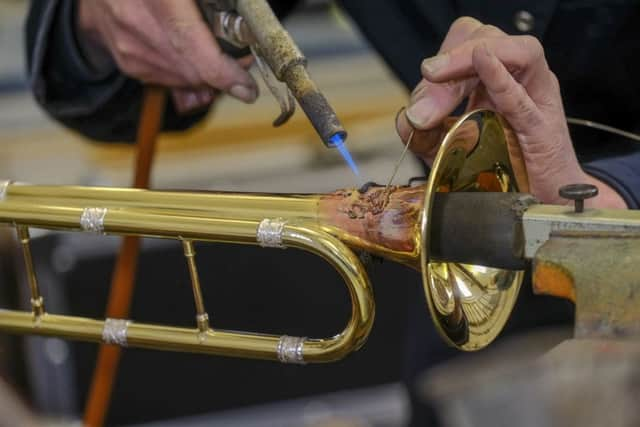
523 108
180 35
465 22
192 78
531 44
555 83
527 113
456 88
488 30
218 73
123 49
213 77
118 11
123 15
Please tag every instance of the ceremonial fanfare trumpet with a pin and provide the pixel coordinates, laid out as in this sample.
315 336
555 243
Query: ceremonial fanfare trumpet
469 303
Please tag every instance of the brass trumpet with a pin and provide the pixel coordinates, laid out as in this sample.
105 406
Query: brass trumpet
469 304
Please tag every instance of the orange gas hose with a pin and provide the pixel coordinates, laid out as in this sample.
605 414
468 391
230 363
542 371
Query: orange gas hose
122 281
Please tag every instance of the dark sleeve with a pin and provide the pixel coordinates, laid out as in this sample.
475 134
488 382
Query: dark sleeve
101 104
622 173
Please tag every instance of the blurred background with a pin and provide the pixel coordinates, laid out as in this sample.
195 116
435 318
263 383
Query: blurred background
234 149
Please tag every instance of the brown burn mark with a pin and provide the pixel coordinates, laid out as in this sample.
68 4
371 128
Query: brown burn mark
381 217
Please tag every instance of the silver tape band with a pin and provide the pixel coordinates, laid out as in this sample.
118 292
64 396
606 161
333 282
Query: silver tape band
92 219
269 233
115 331
4 185
290 349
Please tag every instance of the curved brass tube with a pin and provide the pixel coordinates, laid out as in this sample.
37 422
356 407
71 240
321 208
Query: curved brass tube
159 224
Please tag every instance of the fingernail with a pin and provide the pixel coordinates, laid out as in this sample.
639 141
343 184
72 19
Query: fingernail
434 64
420 112
417 94
400 111
244 93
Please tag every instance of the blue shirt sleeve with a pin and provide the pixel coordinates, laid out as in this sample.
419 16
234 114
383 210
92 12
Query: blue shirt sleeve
622 173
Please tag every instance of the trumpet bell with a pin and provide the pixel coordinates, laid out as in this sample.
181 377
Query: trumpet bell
470 304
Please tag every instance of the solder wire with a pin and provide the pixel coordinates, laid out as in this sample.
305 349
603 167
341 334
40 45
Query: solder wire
570 120
605 128
402 156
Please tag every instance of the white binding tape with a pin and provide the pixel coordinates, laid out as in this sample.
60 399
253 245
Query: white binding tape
290 349
269 233
115 331
92 219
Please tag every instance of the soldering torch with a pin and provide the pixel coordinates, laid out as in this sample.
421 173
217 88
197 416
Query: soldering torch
252 24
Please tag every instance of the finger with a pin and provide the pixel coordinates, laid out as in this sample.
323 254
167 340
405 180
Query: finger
140 62
509 97
193 41
139 33
433 102
486 30
517 53
246 61
479 99
459 32
424 143
149 72
187 101
403 126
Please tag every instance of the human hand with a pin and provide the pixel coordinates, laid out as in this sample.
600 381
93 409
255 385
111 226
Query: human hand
164 42
510 75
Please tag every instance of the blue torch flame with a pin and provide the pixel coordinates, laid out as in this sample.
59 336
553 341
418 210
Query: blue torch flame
338 141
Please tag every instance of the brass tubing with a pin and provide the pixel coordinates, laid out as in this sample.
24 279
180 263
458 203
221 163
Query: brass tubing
37 302
229 343
328 211
202 318
168 338
133 222
354 275
235 205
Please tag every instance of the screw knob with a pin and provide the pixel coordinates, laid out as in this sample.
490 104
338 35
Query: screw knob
578 193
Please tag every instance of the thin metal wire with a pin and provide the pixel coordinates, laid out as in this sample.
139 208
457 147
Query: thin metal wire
402 156
605 128
570 120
